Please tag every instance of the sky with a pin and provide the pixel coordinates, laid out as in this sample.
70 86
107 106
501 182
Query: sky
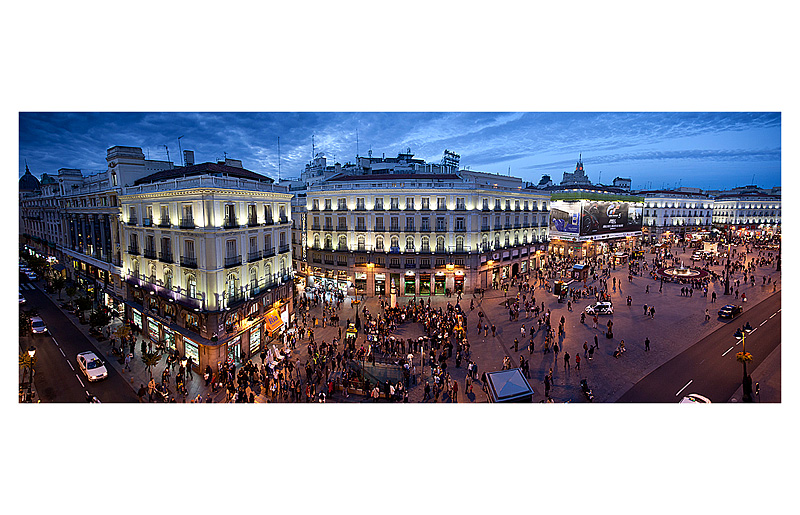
715 150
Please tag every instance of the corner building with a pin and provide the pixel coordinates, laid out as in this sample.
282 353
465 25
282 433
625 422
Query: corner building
207 260
422 233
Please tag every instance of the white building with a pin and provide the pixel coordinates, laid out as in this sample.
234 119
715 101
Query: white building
679 213
749 211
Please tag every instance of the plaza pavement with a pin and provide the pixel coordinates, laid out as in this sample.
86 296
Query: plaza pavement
679 322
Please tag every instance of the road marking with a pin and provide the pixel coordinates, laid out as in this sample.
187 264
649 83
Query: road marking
753 329
762 323
54 341
773 315
70 364
684 387
79 380
727 351
62 353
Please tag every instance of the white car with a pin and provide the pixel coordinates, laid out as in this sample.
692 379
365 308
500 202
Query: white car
37 326
695 398
92 366
31 276
600 308
21 299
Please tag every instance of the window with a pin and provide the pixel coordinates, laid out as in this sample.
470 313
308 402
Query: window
168 278
426 203
379 223
189 248
379 243
460 203
409 223
230 248
328 204
394 203
342 204
441 203
360 203
230 285
315 204
395 224
460 225
409 202
409 243
440 244
426 226
342 223
486 203
441 224
379 203
395 243
253 244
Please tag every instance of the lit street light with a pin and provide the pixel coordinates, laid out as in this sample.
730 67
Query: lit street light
32 354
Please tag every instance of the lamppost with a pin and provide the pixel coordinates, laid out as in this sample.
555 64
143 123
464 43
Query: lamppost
32 354
747 383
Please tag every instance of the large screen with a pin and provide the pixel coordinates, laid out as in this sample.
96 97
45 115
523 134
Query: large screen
603 217
565 218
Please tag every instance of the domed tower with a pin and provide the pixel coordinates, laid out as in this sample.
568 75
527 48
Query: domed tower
28 183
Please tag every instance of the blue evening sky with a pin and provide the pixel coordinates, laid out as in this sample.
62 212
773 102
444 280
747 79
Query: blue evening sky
655 150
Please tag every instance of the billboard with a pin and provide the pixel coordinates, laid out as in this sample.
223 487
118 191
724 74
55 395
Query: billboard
594 219
604 217
565 218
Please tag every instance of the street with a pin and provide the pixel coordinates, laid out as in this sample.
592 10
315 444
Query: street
709 367
57 377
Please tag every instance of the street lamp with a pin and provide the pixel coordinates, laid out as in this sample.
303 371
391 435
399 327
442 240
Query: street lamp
32 354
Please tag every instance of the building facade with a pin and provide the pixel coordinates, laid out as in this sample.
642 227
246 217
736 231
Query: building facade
756 212
677 213
421 233
207 260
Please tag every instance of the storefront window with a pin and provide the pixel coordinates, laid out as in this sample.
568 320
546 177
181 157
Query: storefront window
152 326
411 287
458 285
169 337
361 282
255 339
425 284
137 318
234 350
439 284
380 284
190 350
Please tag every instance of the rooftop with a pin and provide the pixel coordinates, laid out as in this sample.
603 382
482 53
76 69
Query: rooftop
214 169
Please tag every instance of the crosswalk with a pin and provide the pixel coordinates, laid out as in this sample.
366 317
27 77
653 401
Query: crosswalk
27 286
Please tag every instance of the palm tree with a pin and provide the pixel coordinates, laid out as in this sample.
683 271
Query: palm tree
151 359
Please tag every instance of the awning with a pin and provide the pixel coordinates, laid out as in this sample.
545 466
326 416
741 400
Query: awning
272 320
59 267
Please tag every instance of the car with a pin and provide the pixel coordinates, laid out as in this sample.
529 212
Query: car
31 276
37 326
21 299
730 311
92 366
600 308
695 398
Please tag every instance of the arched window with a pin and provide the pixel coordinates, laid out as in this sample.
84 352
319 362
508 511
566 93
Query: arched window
191 286
253 278
395 243
268 271
409 243
484 243
440 244
231 285
167 278
524 237
507 240
328 241
152 272
316 241
135 265
459 243
283 267
516 237
361 242
342 242
496 241
426 244
379 243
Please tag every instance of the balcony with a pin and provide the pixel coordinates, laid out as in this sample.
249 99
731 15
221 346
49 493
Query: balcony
164 223
187 223
165 257
394 265
361 227
230 223
252 221
460 229
269 221
253 256
517 226
341 228
441 228
147 222
133 221
270 251
461 207
394 207
179 295
284 220
378 207
342 248
150 253
327 246
425 249
361 207
411 265
425 265
315 228
440 248
231 261
283 249
485 207
189 262
394 250
133 250
410 228
328 228
484 227
425 228
394 228
380 228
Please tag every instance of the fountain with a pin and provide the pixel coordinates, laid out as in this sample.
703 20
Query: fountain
677 273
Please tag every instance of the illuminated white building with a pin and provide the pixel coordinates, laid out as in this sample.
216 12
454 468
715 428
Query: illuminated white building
679 213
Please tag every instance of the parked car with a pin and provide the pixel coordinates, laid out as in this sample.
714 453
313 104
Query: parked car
92 366
37 326
695 398
600 308
730 311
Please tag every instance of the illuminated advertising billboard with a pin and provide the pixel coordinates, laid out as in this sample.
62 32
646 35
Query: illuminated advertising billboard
594 219
604 217
565 218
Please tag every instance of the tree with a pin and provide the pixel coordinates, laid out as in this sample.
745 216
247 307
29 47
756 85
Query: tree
99 318
58 284
151 359
71 291
24 323
123 332
84 303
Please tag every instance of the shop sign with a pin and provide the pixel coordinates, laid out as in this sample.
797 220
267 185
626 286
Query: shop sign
137 318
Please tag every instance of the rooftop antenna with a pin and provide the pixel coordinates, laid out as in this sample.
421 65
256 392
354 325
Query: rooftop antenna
180 151
356 144
279 158
313 148
166 147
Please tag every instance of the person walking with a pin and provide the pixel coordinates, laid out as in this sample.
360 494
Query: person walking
455 391
594 322
494 331
652 311
516 345
585 348
577 361
708 317
566 360
128 361
141 393
647 344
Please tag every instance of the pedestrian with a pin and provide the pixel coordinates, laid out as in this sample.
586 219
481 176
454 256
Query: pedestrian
596 343
652 311
708 317
577 362
566 360
494 331
594 322
647 344
516 345
128 361
645 309
141 393
455 390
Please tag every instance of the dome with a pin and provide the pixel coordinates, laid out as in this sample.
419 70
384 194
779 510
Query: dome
28 182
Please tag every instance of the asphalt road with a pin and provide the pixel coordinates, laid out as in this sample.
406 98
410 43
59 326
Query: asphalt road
709 367
57 377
